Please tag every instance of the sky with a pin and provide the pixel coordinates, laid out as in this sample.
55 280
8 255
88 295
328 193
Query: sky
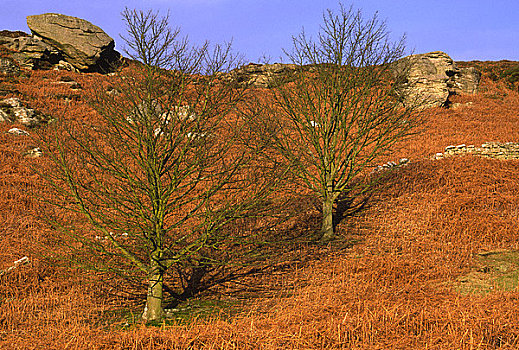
464 29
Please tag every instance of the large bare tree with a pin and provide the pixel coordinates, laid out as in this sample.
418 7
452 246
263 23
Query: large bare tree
342 110
154 185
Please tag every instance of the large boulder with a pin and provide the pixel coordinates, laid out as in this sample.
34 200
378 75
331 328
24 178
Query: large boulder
432 77
84 45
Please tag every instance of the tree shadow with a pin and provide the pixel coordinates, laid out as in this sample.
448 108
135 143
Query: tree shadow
348 206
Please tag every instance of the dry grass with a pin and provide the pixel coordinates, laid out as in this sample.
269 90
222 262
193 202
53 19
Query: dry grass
393 289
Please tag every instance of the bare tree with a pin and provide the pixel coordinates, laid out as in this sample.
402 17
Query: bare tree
342 110
153 186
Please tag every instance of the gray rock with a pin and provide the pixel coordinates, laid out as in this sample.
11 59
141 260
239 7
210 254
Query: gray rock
4 116
496 150
13 110
30 52
433 77
467 80
33 153
64 65
261 75
155 111
427 79
16 131
83 45
9 67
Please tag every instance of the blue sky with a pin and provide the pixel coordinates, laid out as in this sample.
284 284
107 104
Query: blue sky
464 29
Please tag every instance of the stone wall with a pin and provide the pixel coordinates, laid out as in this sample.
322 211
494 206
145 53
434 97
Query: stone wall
496 150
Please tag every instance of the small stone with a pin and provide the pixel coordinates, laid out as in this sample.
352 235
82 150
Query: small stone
34 153
16 131
112 92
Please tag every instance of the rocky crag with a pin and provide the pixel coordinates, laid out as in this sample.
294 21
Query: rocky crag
261 75
13 110
430 79
433 77
61 42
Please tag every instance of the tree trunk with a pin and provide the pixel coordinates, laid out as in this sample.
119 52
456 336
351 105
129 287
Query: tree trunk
153 311
327 233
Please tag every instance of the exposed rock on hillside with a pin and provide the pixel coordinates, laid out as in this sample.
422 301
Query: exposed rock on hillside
16 131
467 81
433 77
261 75
60 42
84 45
13 110
30 52
9 67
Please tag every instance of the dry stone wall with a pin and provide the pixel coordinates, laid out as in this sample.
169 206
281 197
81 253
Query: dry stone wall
496 150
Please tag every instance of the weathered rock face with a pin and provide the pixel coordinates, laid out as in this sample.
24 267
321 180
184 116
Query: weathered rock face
8 66
467 80
433 77
84 45
13 110
261 75
31 53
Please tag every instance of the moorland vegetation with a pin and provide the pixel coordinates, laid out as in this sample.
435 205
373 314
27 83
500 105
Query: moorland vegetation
429 262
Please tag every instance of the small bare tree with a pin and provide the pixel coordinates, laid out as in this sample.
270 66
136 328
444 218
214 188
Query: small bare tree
343 109
155 183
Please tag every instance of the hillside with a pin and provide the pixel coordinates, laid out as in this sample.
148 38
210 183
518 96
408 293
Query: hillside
412 270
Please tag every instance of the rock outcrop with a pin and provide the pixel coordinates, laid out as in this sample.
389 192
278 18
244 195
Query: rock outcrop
13 110
59 42
82 44
433 77
9 67
31 52
467 80
261 75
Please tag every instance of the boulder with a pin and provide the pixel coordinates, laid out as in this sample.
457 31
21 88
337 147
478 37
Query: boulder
16 131
82 44
34 152
432 77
